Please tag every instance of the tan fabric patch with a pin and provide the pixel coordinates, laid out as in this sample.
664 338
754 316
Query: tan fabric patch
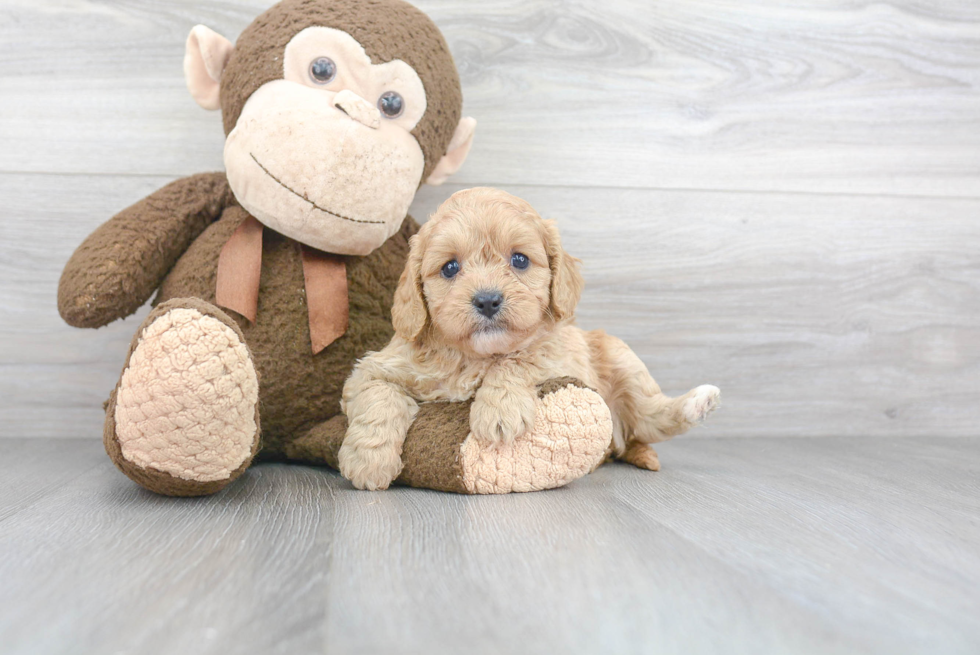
572 430
240 270
186 402
325 277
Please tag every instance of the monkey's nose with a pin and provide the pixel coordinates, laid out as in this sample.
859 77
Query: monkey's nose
488 302
357 108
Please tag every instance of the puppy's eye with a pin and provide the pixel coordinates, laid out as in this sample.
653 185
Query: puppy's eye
519 261
323 70
450 269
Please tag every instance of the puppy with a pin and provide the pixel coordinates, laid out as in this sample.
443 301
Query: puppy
484 310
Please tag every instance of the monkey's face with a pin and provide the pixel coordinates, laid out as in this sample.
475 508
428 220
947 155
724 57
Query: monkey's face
330 136
326 155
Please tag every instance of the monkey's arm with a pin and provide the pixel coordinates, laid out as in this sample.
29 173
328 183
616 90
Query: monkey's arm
571 436
121 264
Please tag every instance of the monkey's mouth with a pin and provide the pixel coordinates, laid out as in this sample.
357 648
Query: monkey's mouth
304 197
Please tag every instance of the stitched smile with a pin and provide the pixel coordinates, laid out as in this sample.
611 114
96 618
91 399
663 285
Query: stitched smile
315 206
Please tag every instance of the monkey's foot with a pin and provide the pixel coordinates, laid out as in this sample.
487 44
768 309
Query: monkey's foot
571 436
183 420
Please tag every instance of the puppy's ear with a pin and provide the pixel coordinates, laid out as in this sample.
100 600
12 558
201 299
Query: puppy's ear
408 313
566 281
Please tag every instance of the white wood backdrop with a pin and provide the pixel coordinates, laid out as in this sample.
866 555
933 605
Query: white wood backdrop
781 198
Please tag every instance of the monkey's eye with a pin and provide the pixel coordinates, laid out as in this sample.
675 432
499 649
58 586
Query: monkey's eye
519 261
391 104
323 70
450 269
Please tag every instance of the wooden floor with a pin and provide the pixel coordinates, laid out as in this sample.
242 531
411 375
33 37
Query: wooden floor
737 546
782 199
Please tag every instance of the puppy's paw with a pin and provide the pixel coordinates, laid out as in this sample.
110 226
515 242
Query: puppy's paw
642 456
502 417
369 468
704 400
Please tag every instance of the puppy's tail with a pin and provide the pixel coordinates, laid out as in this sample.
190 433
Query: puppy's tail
660 417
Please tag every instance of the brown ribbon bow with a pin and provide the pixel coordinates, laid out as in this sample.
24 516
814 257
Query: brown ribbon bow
325 277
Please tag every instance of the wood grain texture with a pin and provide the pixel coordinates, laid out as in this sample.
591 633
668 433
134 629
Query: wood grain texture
51 376
816 315
29 473
778 199
737 546
814 96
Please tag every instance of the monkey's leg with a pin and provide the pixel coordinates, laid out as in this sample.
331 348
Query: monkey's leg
183 420
571 437
430 454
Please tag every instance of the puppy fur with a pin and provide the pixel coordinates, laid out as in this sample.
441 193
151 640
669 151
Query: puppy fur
444 349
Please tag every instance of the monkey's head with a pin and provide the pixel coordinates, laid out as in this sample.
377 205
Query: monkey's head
335 112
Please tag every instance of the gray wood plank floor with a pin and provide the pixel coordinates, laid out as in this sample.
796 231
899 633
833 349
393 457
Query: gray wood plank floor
781 199
737 546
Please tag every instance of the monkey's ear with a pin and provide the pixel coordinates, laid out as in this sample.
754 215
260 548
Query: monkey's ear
566 281
205 57
459 147
408 312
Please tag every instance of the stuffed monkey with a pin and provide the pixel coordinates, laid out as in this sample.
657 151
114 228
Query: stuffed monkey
273 277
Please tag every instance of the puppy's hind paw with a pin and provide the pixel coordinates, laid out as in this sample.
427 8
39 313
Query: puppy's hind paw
703 400
642 456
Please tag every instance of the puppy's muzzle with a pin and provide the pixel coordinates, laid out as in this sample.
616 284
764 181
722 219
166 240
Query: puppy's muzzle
488 303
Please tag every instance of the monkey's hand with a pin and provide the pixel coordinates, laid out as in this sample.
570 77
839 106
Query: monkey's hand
500 414
119 266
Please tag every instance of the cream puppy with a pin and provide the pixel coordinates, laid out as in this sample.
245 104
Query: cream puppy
485 310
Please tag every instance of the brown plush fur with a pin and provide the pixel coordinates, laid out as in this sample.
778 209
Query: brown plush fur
119 266
387 29
431 453
153 479
297 390
171 241
445 349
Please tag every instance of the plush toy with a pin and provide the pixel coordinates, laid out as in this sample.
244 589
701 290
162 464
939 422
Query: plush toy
273 277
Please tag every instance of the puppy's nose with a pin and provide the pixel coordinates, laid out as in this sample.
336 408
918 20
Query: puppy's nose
488 302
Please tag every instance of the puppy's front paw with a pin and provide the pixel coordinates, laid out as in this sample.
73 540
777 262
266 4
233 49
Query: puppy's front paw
369 468
702 402
502 417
